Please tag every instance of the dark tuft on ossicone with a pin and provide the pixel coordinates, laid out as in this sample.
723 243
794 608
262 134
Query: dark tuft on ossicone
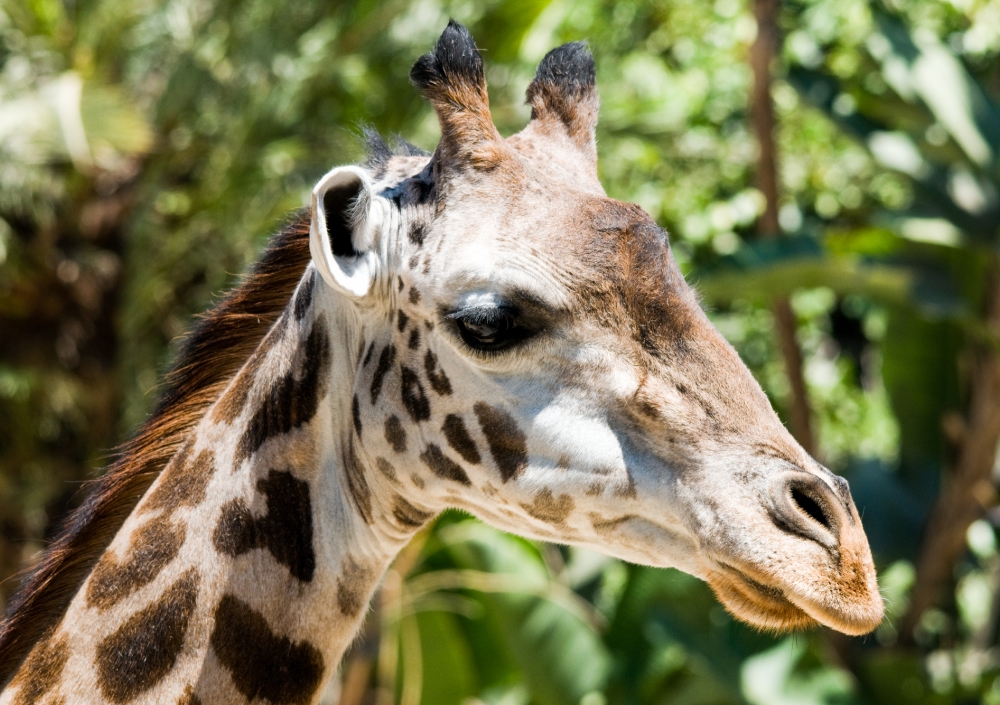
565 91
454 60
569 67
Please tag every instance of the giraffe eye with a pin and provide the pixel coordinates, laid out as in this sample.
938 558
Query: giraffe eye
488 328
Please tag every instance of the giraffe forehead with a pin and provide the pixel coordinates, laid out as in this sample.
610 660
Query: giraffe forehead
546 243
565 244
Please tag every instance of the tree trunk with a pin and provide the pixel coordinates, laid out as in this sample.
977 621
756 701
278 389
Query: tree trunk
762 54
968 488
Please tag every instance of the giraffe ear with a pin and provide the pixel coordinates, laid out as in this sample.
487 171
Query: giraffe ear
346 222
563 97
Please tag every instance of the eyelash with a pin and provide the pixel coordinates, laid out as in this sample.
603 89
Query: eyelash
489 328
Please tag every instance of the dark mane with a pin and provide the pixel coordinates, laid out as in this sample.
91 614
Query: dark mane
378 152
212 354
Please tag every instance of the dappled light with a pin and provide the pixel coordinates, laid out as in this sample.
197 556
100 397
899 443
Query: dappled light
150 150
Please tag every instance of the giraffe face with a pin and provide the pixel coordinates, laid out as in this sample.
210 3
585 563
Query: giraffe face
533 355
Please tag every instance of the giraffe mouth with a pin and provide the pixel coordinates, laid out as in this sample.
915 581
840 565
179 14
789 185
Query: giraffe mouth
760 604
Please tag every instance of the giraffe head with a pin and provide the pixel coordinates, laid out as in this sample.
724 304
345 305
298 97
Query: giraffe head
533 355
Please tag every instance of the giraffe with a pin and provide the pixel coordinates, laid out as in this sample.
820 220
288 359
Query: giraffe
480 328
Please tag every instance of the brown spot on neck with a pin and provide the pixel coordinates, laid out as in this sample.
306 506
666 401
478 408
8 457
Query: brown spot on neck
212 355
368 355
387 470
459 439
154 545
417 234
294 399
357 482
414 397
356 414
395 434
184 481
285 530
385 360
408 516
263 665
435 375
353 585
607 527
41 671
443 466
303 298
144 649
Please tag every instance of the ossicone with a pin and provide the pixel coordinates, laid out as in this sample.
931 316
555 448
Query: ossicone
563 96
453 80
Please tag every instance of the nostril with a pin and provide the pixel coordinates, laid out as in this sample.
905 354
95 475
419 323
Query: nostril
811 507
803 504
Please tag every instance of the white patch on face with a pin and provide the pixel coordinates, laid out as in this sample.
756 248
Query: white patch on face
606 370
563 430
663 545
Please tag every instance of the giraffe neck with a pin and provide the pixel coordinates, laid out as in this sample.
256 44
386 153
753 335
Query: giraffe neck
245 571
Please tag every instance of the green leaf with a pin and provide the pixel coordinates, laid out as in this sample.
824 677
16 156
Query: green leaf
661 608
895 149
926 291
560 656
922 377
776 677
893 505
111 120
897 677
918 65
447 666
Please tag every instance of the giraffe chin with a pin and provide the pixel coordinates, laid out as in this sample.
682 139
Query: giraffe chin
769 607
755 603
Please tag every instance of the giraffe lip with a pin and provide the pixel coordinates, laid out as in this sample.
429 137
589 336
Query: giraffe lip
769 591
768 606
762 605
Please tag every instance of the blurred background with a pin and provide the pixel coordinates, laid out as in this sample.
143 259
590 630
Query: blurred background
829 172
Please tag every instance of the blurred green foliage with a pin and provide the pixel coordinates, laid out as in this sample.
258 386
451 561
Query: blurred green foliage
149 147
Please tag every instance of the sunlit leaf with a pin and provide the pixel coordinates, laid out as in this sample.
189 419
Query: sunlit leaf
560 656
